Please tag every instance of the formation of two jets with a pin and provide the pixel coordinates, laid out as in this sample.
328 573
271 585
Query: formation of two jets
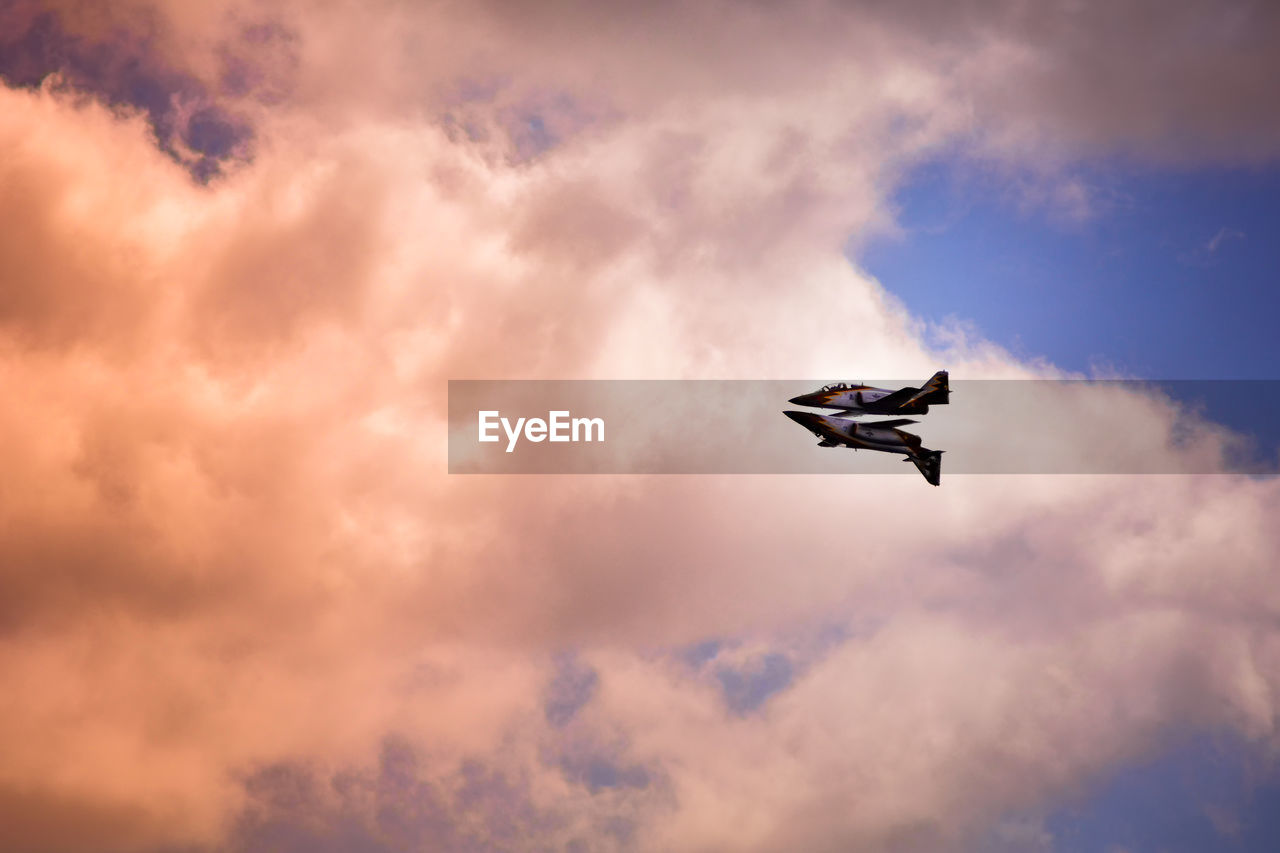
840 429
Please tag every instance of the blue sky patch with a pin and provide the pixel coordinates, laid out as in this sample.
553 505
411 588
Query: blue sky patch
1161 274
1208 793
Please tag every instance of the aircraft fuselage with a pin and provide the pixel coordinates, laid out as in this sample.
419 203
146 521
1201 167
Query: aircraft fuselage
856 400
872 436
881 436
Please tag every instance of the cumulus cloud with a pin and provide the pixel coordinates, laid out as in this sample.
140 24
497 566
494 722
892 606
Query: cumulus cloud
244 605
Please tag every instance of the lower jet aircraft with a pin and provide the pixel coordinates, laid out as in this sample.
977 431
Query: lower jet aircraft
858 400
882 435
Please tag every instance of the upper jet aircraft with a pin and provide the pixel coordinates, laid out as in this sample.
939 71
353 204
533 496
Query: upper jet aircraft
858 400
884 436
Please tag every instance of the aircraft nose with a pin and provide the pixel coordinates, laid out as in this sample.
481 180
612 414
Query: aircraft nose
806 400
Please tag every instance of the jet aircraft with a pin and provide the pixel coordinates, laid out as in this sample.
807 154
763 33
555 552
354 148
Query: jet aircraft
858 400
884 436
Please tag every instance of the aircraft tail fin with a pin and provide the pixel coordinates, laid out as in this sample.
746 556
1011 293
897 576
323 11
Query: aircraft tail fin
937 390
930 464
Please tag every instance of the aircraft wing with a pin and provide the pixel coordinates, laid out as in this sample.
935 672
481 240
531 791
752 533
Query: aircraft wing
894 401
894 424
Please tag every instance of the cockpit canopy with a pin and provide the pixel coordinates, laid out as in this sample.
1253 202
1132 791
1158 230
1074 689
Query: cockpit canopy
839 386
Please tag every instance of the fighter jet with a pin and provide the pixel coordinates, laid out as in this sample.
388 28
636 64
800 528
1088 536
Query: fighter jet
884 436
858 400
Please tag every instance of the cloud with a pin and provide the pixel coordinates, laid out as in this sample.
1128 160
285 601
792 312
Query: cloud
1207 252
1222 235
244 604
113 58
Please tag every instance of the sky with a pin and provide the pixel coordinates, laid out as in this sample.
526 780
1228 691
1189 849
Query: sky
1167 274
245 244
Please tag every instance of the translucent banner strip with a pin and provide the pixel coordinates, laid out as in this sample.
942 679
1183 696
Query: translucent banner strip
980 426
